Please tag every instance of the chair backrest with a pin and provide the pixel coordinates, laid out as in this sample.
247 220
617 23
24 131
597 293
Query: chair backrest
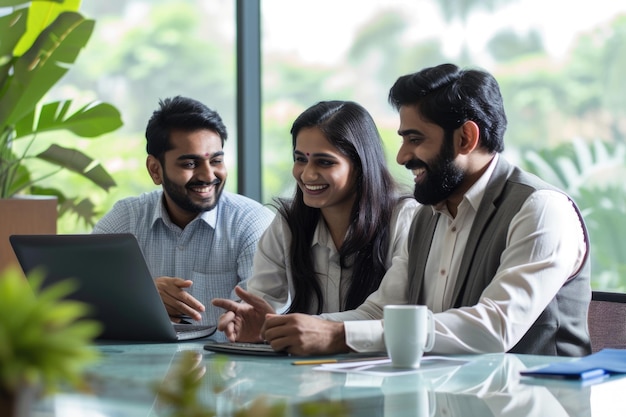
607 320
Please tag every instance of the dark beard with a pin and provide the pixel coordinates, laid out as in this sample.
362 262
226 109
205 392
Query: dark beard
182 200
442 176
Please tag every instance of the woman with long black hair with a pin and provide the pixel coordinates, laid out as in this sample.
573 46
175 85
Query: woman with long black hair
331 244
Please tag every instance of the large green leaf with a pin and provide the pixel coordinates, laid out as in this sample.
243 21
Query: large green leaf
84 209
39 42
78 162
43 65
16 3
89 121
41 14
12 27
14 176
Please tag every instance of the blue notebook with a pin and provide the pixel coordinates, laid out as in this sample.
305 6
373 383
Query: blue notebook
603 363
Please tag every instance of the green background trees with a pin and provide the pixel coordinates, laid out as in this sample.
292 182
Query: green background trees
566 105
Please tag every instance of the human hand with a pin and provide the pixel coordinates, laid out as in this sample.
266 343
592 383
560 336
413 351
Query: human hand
242 322
178 302
302 334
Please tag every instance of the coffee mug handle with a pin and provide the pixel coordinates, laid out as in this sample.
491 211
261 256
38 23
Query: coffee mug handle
430 341
432 402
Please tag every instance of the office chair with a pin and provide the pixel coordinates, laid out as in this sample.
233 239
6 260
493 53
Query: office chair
607 320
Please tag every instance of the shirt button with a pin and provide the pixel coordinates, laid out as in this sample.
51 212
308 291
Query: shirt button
453 229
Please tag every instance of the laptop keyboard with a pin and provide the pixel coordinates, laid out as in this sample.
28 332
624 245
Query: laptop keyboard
193 331
249 345
242 348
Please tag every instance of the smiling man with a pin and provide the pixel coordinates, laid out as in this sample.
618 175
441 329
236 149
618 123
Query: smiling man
499 256
198 240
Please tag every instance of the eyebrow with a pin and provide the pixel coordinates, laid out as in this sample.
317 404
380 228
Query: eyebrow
318 154
409 132
196 156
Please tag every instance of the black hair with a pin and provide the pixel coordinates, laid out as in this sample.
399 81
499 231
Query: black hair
351 129
449 96
180 113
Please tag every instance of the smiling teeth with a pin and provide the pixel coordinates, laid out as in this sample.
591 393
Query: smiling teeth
202 189
315 187
418 171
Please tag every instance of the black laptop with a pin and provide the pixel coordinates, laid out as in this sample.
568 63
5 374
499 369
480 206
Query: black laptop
112 277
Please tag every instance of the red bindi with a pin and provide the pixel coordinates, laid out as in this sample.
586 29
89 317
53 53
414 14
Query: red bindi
307 154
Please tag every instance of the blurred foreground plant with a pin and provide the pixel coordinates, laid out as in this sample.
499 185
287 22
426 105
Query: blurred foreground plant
45 342
178 394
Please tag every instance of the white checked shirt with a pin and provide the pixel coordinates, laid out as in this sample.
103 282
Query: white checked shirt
215 250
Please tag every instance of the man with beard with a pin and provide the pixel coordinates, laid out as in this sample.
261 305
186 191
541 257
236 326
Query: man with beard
498 255
198 240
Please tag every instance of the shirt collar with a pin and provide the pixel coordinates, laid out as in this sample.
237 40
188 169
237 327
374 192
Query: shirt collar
475 194
321 236
209 217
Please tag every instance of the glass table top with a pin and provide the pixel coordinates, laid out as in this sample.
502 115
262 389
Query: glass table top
123 383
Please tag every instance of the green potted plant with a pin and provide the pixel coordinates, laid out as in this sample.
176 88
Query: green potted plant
40 40
45 340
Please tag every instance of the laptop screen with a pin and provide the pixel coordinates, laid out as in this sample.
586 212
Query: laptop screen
112 277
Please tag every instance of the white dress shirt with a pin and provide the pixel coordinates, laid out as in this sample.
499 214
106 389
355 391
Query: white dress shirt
545 246
272 278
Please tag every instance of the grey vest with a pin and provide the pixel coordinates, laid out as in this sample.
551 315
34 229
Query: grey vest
562 327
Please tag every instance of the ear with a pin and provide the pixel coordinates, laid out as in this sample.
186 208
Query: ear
154 169
470 137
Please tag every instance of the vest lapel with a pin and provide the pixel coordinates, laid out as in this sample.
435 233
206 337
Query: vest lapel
486 210
419 245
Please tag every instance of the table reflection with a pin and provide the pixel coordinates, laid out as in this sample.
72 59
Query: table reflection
483 388
484 385
490 386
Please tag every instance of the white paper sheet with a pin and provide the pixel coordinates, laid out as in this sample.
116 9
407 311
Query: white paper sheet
383 367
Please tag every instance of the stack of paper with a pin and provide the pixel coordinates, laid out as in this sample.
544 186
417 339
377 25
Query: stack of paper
383 367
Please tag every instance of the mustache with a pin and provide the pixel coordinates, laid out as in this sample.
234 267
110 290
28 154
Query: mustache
415 163
203 183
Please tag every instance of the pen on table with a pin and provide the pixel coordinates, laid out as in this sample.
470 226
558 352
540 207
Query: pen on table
323 361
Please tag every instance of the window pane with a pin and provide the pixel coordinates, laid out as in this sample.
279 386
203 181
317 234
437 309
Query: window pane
561 79
561 75
141 52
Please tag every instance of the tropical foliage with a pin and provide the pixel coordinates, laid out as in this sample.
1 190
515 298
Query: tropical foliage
591 173
40 42
552 95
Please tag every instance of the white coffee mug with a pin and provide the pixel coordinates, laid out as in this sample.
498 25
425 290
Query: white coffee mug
409 395
409 331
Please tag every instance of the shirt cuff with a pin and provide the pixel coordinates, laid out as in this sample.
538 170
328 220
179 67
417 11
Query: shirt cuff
365 335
